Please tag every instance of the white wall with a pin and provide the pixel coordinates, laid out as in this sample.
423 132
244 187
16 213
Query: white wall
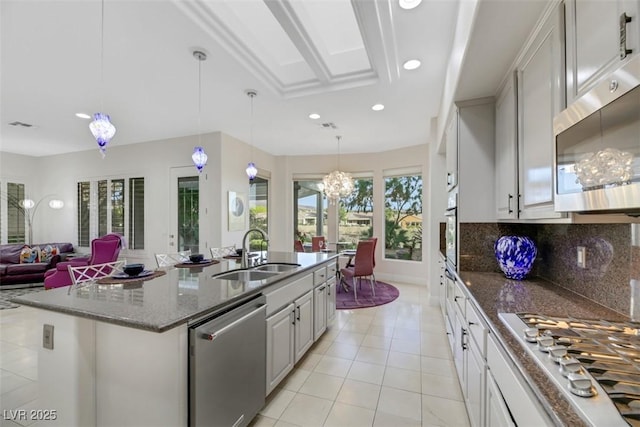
224 172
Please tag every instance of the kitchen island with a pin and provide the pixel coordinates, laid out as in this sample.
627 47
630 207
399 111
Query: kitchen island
120 352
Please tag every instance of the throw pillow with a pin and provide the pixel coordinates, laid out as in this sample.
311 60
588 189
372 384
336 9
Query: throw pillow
29 254
48 252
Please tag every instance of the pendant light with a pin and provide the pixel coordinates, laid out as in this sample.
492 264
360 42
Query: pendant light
101 127
199 157
337 184
251 170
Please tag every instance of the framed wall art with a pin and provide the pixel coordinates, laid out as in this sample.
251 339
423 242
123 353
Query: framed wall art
237 211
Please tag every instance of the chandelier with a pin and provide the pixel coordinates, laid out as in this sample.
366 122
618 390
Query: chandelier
251 170
101 127
199 157
337 184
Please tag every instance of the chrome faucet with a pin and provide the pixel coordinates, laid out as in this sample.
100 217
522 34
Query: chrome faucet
245 252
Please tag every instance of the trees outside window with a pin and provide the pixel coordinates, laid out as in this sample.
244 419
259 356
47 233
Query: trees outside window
403 217
258 210
356 214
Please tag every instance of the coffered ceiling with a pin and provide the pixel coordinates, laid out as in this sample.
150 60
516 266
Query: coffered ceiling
336 58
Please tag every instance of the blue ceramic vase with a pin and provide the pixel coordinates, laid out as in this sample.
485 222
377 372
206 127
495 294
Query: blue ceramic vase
515 255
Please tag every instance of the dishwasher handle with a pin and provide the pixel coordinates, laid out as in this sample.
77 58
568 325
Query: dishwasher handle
213 335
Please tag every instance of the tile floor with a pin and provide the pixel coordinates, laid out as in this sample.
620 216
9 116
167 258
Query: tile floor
387 366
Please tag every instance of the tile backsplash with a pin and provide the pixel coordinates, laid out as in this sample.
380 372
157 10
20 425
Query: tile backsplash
612 256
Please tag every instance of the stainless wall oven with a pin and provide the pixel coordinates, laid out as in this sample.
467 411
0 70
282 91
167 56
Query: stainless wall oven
451 229
597 147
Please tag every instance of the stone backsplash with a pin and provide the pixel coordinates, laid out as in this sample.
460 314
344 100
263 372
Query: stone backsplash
612 256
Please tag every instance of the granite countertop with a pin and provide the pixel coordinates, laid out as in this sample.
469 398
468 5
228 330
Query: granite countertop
181 295
494 294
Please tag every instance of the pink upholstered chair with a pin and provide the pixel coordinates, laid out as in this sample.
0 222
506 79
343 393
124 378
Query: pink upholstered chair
103 249
317 243
363 267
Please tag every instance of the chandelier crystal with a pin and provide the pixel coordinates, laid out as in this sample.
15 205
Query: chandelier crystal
337 184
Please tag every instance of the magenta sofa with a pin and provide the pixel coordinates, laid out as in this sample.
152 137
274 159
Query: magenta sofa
12 272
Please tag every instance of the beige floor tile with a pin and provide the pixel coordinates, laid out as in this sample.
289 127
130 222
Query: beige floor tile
406 334
437 366
10 381
309 361
348 337
277 402
320 346
295 379
388 420
441 351
322 385
333 366
402 379
19 397
381 331
404 360
343 415
443 412
281 423
400 403
367 372
376 341
305 410
342 350
405 346
262 421
372 355
439 386
359 393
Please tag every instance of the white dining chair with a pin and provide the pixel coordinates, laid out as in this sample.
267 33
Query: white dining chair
171 259
83 274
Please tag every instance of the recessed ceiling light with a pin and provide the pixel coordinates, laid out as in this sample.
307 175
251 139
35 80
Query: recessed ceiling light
314 116
411 64
409 4
378 107
83 116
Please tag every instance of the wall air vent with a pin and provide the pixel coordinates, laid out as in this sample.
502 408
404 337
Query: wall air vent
329 125
24 125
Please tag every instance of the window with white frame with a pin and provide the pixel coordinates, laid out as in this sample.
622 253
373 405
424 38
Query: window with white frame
111 206
403 215
12 214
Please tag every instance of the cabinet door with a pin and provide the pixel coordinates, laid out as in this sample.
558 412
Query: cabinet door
280 348
303 324
540 98
497 412
451 144
475 385
331 300
319 311
459 346
593 41
506 154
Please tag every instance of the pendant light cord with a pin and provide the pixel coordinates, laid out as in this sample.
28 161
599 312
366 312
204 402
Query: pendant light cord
338 137
200 100
102 56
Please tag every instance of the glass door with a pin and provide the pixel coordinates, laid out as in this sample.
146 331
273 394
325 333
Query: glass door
185 210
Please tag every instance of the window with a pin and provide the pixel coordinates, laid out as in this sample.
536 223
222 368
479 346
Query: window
356 214
188 213
15 231
403 217
103 207
310 210
258 210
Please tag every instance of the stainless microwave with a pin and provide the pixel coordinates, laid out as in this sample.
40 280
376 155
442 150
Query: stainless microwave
597 147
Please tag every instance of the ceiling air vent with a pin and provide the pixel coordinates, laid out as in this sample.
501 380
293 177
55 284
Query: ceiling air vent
329 125
24 125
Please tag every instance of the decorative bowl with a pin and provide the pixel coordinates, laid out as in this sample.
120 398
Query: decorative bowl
515 255
133 269
196 257
239 252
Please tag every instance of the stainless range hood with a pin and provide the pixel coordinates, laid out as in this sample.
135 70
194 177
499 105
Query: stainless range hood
597 147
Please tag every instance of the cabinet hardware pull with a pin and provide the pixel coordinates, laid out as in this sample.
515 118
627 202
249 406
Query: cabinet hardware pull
321 289
456 298
213 335
624 20
471 323
298 316
509 203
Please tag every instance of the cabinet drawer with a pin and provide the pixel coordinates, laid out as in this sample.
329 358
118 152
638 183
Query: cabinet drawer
287 293
320 276
477 329
332 269
459 298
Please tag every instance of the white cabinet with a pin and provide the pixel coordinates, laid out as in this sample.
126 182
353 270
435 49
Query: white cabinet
540 97
280 346
320 295
506 176
476 160
475 384
331 300
303 328
451 145
497 411
593 35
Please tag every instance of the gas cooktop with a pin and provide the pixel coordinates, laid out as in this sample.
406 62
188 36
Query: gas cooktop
595 363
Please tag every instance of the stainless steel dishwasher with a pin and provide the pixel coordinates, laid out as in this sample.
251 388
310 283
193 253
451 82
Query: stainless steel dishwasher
227 365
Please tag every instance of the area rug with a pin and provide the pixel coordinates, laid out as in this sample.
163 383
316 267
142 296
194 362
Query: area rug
7 294
385 293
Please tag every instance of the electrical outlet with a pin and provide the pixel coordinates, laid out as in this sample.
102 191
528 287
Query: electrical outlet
582 257
47 336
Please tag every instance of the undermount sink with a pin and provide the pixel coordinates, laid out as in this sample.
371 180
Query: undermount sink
276 267
246 275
